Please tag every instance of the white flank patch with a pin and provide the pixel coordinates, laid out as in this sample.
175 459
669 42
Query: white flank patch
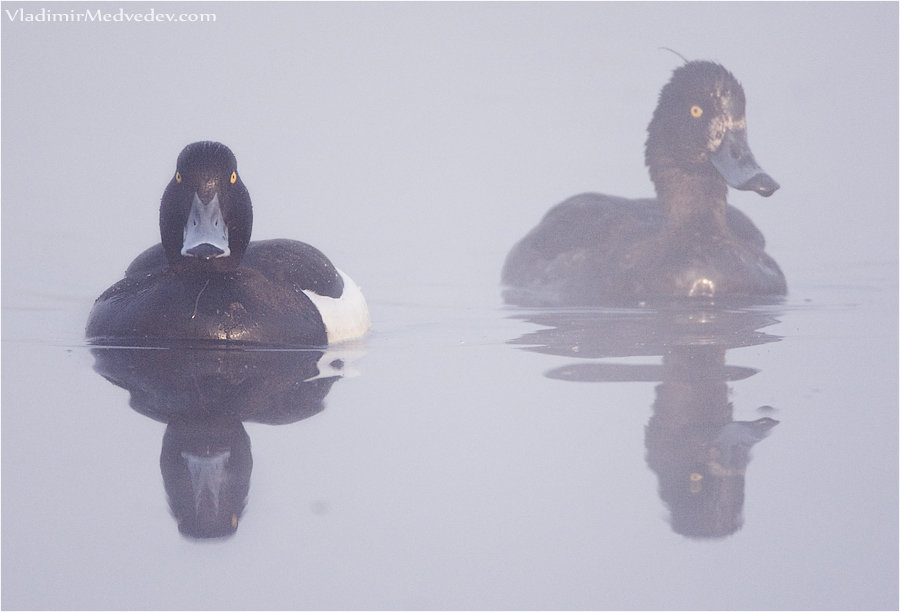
346 317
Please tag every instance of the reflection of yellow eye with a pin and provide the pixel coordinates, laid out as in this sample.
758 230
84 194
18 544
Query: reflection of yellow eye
696 111
233 177
696 484
177 176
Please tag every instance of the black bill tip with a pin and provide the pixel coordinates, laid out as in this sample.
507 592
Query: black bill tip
205 252
761 183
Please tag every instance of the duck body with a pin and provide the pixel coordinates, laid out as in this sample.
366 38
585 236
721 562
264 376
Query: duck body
219 286
595 249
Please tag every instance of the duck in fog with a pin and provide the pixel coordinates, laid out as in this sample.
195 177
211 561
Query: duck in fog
595 249
207 282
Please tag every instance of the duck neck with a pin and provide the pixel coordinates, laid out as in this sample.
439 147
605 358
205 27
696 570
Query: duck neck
694 202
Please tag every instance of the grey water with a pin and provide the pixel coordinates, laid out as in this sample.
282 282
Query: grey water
465 453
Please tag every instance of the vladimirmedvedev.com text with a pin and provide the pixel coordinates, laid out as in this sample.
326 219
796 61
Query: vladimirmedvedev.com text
44 15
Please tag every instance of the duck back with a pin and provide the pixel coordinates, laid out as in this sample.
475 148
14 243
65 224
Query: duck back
595 249
242 305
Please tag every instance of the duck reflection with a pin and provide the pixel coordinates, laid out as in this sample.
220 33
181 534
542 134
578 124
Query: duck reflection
694 445
204 396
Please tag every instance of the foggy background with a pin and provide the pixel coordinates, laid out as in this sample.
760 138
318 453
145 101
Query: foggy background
414 144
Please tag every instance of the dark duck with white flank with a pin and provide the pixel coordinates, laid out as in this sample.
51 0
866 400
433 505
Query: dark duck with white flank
594 249
207 282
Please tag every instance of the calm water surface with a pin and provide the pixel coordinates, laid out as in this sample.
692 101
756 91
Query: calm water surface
464 454
471 457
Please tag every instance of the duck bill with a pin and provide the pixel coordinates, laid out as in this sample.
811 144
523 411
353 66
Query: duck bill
205 233
734 161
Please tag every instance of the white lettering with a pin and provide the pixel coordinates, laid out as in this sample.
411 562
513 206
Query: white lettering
98 15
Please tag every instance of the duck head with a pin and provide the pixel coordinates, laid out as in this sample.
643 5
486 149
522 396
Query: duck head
205 216
699 129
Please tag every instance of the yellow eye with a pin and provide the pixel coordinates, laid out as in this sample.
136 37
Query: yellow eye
696 111
177 176
233 177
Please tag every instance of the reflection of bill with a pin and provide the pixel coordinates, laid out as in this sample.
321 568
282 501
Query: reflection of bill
206 472
701 473
698 452
204 396
694 445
